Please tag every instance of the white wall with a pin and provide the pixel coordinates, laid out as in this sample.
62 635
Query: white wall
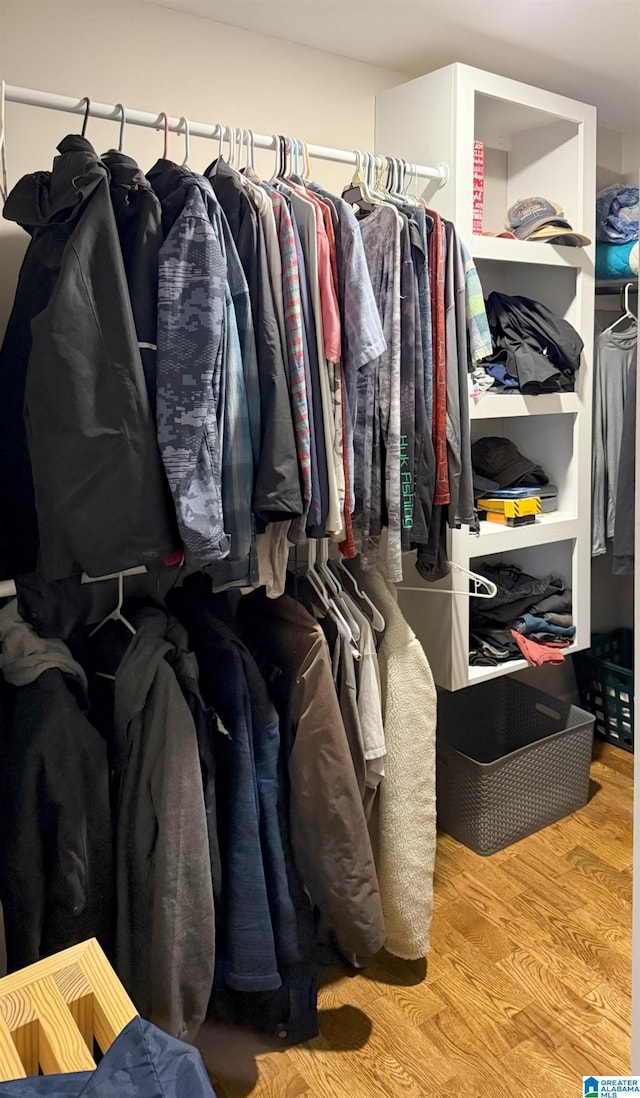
155 59
630 158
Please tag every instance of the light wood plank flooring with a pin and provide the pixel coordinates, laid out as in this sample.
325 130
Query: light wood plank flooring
527 986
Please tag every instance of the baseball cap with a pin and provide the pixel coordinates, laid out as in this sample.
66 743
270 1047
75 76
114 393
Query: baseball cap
540 219
499 460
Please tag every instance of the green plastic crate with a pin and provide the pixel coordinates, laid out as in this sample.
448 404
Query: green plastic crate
605 682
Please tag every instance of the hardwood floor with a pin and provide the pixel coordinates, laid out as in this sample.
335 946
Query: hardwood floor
526 989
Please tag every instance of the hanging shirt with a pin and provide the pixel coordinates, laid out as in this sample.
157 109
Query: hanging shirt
294 336
409 333
615 361
237 284
319 504
420 244
460 474
191 319
277 494
307 221
480 345
439 418
361 330
327 274
424 472
624 528
240 430
382 487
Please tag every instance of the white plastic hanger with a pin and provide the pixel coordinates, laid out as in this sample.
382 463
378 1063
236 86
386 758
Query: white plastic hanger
377 619
317 581
481 588
251 151
336 592
374 171
307 161
312 575
116 614
403 188
627 314
187 138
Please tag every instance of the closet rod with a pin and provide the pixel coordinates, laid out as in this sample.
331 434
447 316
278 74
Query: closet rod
8 587
617 288
33 98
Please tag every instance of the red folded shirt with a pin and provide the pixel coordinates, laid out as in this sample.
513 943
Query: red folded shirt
536 654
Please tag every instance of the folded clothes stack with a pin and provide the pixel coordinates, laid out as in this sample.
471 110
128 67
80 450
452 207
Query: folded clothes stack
534 350
617 224
529 617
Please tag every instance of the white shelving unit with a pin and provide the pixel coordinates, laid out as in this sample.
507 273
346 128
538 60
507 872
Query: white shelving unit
536 143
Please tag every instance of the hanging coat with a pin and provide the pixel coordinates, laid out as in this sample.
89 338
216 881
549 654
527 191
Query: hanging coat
56 872
71 352
405 821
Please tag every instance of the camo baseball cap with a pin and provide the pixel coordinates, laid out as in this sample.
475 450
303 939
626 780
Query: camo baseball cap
540 219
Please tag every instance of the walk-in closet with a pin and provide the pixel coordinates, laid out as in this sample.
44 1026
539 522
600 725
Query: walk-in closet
318 446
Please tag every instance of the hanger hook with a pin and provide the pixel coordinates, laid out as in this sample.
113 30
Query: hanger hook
87 111
252 146
288 156
123 122
165 123
4 187
187 136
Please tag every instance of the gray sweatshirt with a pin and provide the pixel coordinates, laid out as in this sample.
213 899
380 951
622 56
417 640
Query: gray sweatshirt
615 358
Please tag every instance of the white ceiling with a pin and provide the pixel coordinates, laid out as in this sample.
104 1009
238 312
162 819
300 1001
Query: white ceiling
586 49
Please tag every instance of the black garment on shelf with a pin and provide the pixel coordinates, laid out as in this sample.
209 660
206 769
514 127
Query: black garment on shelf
537 347
517 592
556 603
97 473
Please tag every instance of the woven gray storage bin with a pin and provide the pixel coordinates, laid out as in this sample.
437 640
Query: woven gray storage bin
510 761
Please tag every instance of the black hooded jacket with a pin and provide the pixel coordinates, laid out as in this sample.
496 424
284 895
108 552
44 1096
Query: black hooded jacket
71 355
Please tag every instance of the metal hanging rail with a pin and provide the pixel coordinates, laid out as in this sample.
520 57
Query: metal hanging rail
33 98
618 286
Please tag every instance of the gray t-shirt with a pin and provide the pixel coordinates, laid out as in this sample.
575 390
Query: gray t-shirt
379 402
615 358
